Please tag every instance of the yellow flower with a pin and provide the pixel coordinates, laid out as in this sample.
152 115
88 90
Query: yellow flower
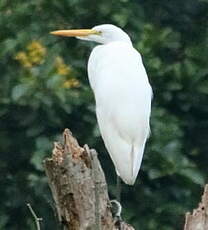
34 55
23 59
61 67
35 45
36 52
71 83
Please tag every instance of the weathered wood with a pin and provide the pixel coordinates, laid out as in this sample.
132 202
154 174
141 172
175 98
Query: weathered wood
198 220
79 187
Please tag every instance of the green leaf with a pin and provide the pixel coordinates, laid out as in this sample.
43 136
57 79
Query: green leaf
19 91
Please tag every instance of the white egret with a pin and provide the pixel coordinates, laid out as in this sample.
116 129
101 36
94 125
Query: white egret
122 94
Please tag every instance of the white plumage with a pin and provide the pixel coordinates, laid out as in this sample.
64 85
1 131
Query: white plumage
123 97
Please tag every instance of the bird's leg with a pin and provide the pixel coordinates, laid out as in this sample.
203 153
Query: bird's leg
116 207
118 189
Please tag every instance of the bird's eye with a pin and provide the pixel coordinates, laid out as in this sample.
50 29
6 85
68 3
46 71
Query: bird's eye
99 32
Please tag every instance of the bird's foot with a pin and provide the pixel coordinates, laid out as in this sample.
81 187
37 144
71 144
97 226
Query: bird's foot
116 210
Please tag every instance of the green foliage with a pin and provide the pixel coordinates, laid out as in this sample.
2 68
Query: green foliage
44 88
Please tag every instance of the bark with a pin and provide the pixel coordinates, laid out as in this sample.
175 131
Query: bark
198 220
79 188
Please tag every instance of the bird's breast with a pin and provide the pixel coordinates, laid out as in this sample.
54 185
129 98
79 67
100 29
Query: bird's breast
117 69
115 61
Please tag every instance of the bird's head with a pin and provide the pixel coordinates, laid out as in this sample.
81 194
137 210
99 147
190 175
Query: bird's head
102 34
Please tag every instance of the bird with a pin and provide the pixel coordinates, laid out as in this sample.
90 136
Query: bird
122 94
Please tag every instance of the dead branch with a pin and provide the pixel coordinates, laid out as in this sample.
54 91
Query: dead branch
79 187
198 220
37 219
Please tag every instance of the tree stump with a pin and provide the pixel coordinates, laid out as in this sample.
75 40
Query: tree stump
79 188
198 220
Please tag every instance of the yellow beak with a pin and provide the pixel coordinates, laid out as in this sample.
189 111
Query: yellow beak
74 33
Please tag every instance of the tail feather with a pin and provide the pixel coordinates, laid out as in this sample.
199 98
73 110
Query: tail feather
135 155
137 159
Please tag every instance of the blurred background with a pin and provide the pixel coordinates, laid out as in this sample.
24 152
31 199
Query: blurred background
44 89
